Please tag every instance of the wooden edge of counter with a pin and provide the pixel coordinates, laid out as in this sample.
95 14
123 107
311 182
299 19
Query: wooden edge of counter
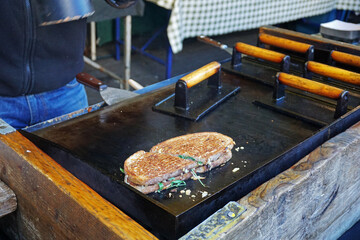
317 198
52 203
8 201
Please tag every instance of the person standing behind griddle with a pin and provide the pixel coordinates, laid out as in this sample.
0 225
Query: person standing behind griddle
38 64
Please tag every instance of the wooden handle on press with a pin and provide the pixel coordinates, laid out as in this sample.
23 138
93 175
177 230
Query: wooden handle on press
333 72
309 86
258 52
284 43
201 74
346 58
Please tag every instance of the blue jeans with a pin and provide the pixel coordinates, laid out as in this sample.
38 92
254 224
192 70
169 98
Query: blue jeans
30 109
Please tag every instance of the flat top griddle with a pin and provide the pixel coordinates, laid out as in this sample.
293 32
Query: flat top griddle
268 139
94 147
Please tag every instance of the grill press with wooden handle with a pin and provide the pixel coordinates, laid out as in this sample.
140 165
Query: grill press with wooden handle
284 79
287 44
345 58
194 78
332 72
193 100
260 53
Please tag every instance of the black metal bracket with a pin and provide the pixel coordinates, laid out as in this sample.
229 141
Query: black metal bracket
279 89
182 90
309 55
214 81
342 104
331 61
259 43
306 73
236 58
181 95
285 64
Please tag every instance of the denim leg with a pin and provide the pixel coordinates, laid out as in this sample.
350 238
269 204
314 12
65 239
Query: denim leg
15 111
23 111
61 101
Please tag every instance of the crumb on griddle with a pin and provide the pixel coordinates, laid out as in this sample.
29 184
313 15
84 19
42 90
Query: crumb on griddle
204 194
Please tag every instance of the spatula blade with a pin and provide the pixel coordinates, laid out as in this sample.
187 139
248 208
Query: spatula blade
115 95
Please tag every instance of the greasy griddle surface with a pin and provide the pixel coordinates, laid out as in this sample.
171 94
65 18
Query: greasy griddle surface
105 138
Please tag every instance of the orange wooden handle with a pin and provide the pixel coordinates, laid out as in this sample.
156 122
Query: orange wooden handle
310 86
258 52
346 58
201 74
334 72
284 43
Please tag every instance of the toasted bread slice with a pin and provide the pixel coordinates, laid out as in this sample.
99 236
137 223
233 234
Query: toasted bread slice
147 168
204 147
174 158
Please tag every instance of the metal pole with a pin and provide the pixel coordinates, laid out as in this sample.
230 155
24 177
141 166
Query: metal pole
127 50
93 40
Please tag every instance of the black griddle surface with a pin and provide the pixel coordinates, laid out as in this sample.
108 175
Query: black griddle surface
95 146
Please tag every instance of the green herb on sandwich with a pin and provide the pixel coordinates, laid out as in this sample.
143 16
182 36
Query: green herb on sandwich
197 177
190 158
173 184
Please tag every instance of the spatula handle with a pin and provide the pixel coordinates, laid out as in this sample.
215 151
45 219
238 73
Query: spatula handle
201 74
346 58
258 52
333 72
211 41
90 81
309 86
284 43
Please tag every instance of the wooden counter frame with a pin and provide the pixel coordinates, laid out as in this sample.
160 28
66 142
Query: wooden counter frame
52 203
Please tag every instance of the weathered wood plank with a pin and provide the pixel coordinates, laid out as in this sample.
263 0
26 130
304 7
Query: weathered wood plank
318 198
8 202
52 203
